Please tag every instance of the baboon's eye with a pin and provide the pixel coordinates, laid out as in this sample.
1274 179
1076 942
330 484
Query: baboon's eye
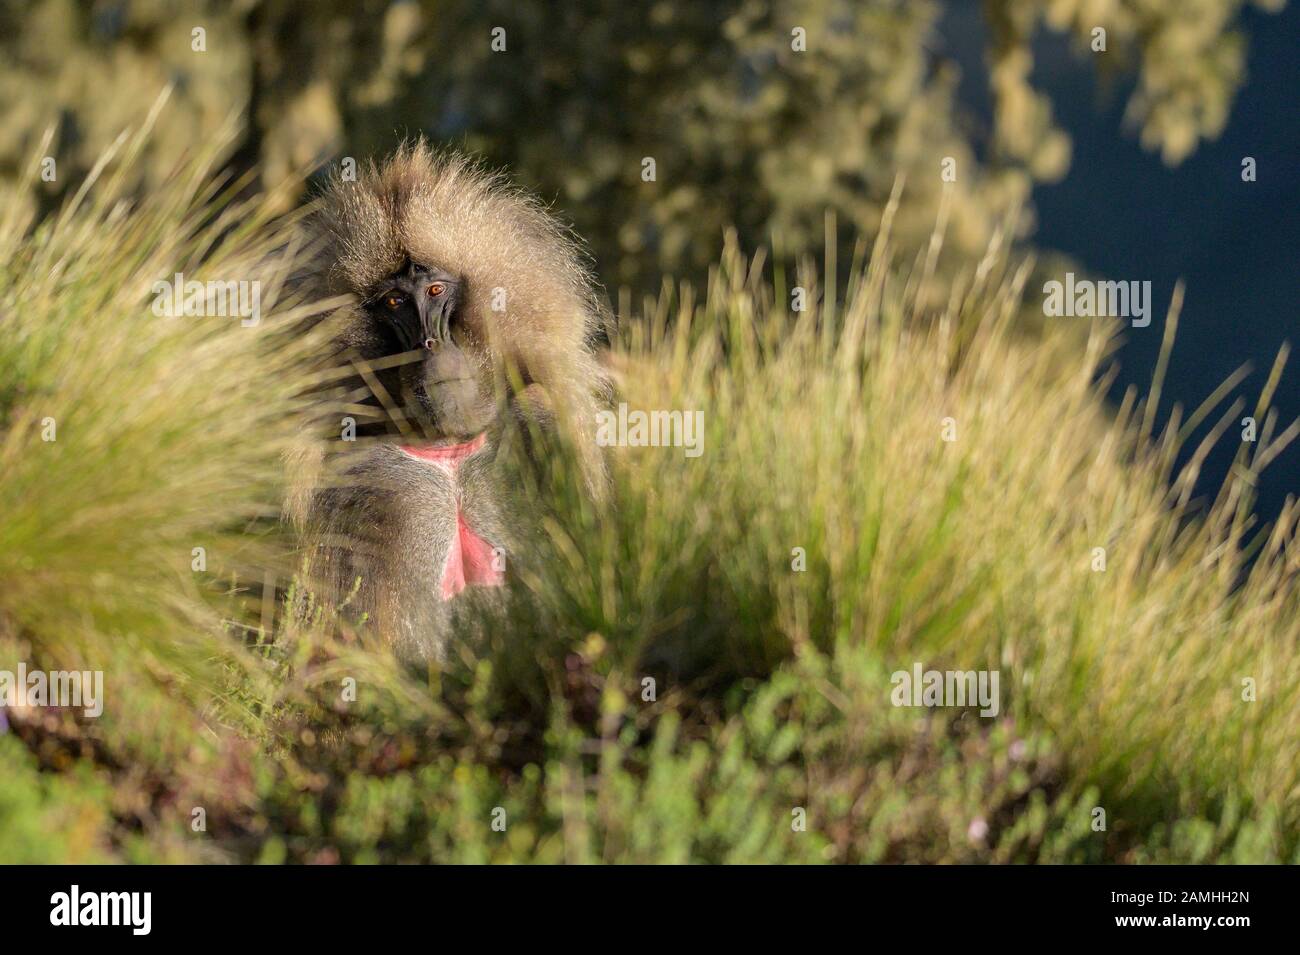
436 289
393 301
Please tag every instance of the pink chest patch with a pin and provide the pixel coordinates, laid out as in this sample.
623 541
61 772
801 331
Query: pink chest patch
470 559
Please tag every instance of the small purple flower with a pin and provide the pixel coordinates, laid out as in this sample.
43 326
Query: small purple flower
978 829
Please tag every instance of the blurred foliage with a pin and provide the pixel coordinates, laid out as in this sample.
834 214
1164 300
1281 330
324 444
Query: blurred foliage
745 129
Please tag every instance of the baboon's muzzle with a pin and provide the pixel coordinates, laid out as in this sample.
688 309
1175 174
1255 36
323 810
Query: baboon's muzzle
450 389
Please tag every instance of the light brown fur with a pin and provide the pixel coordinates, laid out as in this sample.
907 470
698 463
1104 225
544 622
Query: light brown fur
382 519
444 208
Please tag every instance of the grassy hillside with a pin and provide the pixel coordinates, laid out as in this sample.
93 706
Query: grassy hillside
768 732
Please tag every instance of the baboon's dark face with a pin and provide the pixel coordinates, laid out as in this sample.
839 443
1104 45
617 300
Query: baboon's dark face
418 307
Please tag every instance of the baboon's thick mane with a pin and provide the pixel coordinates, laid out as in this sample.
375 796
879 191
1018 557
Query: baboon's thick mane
529 296
446 210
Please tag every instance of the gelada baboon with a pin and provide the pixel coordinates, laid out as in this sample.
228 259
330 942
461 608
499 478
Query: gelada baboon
470 304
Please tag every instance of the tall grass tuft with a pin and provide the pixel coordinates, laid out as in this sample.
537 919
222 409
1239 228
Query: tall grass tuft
1166 669
139 454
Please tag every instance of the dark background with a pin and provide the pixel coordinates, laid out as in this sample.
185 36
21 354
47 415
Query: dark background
1123 213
